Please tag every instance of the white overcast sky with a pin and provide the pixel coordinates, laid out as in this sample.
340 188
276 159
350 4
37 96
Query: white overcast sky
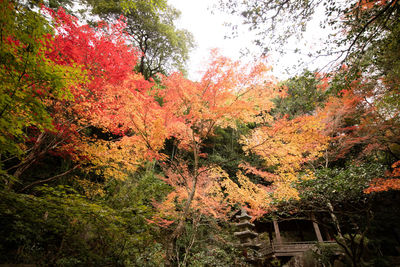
209 32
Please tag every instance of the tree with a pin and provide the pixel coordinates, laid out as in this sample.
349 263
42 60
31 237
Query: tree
285 146
364 22
227 92
131 112
29 78
263 17
164 48
105 57
367 37
338 196
30 81
305 94
359 127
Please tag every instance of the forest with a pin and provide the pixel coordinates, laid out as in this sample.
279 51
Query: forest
111 156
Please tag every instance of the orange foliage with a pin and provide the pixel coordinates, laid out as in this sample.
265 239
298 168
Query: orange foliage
133 111
126 109
385 184
324 79
208 199
263 174
355 120
227 93
381 184
396 169
255 198
215 195
368 4
338 109
189 112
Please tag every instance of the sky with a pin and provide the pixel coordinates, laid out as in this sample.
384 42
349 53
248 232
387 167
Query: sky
208 30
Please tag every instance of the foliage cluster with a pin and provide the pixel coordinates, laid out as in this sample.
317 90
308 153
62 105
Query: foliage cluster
109 157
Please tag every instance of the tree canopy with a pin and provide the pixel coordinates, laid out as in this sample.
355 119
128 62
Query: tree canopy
164 48
110 155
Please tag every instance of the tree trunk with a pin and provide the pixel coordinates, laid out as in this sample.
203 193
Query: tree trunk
28 160
334 219
171 243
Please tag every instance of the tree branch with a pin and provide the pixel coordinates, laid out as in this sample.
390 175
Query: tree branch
49 179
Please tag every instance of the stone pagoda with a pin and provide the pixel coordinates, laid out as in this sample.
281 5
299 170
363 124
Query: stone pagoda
248 237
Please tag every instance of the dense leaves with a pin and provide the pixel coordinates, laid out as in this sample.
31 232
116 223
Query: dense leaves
29 78
164 48
104 162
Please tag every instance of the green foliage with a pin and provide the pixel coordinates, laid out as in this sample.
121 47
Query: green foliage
207 242
28 78
129 5
137 194
365 221
304 96
340 185
386 59
383 236
325 254
165 48
56 225
61 227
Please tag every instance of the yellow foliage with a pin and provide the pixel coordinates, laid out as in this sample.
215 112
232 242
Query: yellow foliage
284 190
91 189
130 111
286 145
256 198
115 159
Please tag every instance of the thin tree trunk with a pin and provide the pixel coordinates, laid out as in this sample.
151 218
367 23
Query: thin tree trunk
171 243
350 251
179 228
334 219
195 222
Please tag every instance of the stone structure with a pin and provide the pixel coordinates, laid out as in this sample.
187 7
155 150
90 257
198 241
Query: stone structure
248 237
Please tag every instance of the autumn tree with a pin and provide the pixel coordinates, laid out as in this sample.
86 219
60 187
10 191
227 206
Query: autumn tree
105 58
138 122
227 93
286 145
361 129
54 79
30 79
358 29
365 89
